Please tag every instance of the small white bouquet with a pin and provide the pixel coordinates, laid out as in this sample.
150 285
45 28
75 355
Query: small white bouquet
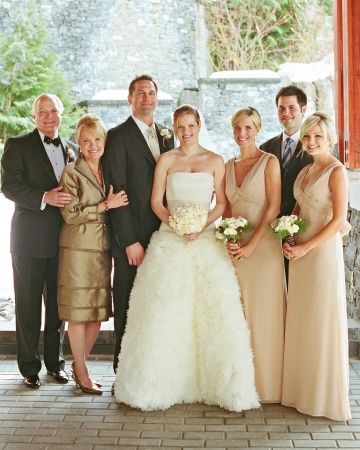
286 226
188 218
232 229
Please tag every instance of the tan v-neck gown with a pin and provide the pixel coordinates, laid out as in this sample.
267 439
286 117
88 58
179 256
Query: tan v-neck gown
316 345
262 281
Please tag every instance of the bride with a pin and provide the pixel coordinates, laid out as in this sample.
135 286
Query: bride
186 338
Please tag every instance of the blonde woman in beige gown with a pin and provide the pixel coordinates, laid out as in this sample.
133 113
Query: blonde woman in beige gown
253 190
316 345
84 286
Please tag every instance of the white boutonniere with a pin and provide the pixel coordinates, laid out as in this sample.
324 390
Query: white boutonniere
69 155
165 133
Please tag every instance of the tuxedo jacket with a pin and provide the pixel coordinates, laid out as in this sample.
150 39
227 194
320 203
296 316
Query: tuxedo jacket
297 162
129 164
26 173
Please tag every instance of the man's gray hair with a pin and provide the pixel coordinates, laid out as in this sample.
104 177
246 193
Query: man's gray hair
53 97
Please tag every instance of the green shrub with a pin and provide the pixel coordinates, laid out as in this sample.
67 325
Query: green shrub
28 69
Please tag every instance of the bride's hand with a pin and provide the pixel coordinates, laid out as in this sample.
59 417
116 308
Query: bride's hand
192 236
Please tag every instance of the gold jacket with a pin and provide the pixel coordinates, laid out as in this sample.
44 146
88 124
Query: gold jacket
84 286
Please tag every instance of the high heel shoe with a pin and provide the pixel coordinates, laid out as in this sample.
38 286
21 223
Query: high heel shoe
93 381
86 390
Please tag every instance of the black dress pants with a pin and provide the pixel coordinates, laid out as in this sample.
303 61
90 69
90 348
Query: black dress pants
36 279
124 276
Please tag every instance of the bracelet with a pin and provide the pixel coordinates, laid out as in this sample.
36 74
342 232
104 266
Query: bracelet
106 206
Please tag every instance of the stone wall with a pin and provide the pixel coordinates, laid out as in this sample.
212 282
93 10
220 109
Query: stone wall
102 44
219 98
352 265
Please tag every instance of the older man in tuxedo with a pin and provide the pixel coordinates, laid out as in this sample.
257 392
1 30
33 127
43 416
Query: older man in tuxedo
31 168
291 103
132 149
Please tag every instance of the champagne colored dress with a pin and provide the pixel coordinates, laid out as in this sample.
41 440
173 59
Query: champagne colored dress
316 344
262 281
186 339
84 284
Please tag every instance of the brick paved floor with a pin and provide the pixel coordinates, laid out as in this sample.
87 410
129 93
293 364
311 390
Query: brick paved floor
62 417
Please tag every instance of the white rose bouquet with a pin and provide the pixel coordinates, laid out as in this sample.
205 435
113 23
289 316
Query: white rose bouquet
232 229
188 218
286 226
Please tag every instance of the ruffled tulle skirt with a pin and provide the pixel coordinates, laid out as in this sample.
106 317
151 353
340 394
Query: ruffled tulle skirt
186 337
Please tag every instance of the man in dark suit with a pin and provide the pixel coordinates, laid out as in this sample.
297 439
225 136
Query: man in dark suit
132 149
291 104
31 168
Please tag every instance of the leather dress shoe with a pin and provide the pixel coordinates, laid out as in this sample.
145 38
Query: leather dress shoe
60 376
32 381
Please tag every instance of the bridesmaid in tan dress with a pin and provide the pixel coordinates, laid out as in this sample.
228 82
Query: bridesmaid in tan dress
253 190
316 344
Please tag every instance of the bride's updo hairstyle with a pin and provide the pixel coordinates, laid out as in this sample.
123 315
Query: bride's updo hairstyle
247 112
185 109
92 122
325 123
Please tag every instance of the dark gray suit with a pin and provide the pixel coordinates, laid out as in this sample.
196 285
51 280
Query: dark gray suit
297 162
129 164
26 174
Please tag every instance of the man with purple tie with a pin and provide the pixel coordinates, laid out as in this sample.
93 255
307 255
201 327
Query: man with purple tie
291 104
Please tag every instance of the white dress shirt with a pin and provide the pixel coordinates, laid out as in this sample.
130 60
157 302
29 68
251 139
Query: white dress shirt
56 157
144 127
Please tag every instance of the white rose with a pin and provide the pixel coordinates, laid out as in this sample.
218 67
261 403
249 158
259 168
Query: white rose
230 232
219 235
293 229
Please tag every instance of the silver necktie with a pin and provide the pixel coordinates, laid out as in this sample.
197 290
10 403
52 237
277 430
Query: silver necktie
153 143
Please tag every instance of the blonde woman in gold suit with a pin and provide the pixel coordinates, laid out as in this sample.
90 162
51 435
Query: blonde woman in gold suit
84 288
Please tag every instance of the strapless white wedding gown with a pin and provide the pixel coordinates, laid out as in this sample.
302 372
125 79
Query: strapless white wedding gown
186 337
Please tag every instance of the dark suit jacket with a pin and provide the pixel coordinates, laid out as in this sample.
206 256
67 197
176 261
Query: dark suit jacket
26 173
297 163
129 164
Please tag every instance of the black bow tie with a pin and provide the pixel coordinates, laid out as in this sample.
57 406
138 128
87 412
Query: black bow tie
55 141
